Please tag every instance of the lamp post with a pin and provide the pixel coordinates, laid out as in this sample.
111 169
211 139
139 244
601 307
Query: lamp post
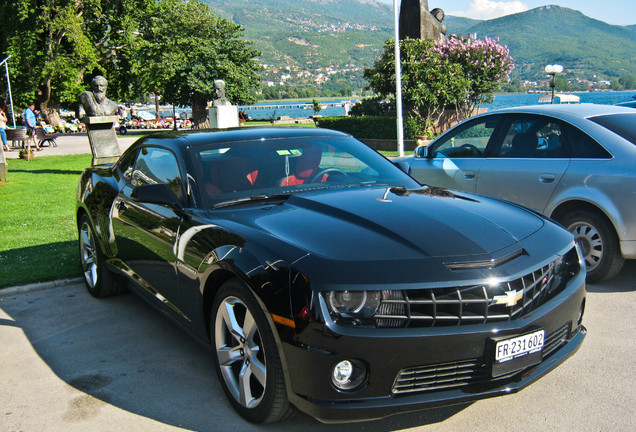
398 80
553 70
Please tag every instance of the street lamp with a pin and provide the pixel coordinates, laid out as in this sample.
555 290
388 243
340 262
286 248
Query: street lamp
553 70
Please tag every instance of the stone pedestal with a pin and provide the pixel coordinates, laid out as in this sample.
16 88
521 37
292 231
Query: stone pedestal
4 169
103 138
222 117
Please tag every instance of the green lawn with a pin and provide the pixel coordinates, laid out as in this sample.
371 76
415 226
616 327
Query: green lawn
38 235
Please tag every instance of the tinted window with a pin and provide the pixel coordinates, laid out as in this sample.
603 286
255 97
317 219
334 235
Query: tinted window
533 136
621 124
467 141
290 165
584 147
157 165
126 163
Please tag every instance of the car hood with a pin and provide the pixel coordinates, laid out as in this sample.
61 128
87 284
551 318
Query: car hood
379 224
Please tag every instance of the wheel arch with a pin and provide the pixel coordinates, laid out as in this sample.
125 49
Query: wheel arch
567 207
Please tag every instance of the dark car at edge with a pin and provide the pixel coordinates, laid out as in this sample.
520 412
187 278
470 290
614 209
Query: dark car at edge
326 279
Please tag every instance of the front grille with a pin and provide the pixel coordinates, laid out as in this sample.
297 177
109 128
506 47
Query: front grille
555 340
444 376
475 304
439 377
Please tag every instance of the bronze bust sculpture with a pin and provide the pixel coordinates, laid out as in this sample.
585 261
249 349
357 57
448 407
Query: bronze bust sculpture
95 102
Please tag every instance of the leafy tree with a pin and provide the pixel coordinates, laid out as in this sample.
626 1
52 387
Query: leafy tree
316 106
184 47
514 86
628 82
57 46
429 83
50 52
112 26
484 64
455 73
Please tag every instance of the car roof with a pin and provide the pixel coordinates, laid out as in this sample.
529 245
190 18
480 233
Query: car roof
210 136
579 110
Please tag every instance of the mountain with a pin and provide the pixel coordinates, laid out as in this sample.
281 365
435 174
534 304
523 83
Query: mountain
318 33
308 41
554 34
459 25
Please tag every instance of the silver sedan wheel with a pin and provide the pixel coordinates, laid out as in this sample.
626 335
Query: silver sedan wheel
88 254
590 241
240 352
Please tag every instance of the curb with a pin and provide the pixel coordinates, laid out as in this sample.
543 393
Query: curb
4 292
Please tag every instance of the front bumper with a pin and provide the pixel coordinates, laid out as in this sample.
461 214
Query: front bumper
388 352
333 411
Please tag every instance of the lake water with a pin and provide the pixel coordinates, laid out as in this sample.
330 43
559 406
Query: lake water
338 107
269 110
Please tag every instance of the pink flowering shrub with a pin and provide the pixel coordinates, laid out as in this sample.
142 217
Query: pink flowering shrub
484 63
452 74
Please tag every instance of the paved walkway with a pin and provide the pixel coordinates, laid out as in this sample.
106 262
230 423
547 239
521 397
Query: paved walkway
76 144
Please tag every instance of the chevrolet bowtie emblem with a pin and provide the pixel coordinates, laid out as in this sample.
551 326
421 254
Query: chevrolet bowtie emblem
510 298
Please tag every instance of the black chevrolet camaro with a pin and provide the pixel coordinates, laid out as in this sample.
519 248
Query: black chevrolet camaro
325 278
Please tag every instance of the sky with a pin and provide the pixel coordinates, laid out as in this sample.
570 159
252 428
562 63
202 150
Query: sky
618 12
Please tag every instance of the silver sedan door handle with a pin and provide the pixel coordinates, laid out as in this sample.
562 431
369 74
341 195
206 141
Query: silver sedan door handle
547 178
469 174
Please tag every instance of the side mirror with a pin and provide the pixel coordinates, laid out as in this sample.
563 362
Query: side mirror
158 193
403 165
422 152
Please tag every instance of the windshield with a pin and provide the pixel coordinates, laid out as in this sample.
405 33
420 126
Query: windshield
621 124
238 170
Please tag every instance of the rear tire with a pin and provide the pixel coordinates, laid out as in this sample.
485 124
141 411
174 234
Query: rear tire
247 360
598 242
99 281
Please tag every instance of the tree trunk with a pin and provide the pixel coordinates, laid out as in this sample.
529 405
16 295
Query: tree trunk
49 107
199 112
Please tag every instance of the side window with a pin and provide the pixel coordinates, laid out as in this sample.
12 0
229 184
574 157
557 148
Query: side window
533 137
468 141
584 147
157 165
126 164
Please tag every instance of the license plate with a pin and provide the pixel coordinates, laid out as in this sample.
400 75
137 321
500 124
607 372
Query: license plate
520 346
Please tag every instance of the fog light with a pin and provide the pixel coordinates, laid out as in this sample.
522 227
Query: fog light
342 373
348 375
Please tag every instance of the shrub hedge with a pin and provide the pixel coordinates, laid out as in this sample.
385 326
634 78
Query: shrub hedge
376 127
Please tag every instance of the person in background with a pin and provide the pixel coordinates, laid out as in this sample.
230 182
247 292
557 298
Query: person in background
3 124
30 123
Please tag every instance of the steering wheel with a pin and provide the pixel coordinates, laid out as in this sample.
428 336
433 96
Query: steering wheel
469 149
322 172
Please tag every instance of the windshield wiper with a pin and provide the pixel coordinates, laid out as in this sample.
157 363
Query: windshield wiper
259 197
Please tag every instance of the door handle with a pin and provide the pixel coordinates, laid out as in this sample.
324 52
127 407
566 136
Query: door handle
469 175
121 206
547 178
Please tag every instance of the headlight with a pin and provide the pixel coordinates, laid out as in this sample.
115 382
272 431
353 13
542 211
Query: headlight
353 304
385 308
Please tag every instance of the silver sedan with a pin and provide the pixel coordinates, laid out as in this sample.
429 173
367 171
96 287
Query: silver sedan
573 163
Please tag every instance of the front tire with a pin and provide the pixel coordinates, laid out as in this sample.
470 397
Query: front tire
247 359
99 281
598 242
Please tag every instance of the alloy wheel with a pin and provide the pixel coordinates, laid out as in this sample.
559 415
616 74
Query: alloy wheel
240 352
88 254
